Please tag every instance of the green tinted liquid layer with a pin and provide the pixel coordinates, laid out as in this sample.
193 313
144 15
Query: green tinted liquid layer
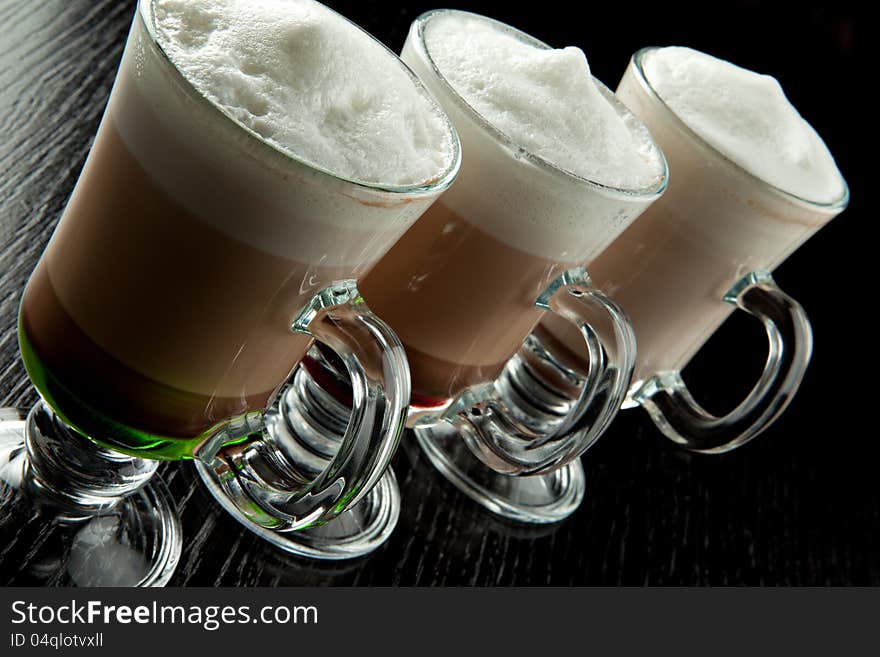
102 429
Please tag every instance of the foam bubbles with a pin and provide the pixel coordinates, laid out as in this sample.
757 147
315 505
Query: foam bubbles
309 83
747 117
545 100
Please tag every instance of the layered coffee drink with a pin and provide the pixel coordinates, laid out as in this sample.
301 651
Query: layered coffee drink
251 154
750 181
553 169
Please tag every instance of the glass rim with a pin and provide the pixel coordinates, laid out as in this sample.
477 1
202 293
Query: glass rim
652 191
144 13
637 66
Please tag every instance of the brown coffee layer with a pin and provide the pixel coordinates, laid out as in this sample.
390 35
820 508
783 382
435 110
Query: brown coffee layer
439 381
163 322
461 300
115 390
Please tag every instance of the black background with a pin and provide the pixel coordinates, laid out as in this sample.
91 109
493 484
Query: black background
800 505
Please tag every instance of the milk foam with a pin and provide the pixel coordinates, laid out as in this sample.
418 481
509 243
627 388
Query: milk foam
246 188
545 100
526 92
747 117
309 83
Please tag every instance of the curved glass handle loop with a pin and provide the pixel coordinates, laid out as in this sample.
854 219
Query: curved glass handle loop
527 427
287 479
675 412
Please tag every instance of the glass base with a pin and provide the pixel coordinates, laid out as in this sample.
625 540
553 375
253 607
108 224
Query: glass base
355 533
537 499
135 542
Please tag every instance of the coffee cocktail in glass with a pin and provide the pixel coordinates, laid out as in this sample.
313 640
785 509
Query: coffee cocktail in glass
198 258
505 245
750 182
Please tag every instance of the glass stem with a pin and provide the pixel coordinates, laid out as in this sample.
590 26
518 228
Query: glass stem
68 470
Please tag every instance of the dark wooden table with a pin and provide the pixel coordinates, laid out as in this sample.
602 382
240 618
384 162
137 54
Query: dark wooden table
799 506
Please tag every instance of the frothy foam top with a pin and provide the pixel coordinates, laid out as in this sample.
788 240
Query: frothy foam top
311 84
747 117
545 100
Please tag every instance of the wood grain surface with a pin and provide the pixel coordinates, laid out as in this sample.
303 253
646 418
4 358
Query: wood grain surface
799 506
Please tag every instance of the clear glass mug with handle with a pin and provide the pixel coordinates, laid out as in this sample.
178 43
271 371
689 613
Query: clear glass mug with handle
193 267
705 249
503 247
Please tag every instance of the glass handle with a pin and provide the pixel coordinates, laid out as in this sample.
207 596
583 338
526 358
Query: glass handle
286 484
674 410
527 428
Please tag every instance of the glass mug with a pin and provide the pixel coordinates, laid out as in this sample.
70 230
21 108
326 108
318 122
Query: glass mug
193 267
467 284
706 248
